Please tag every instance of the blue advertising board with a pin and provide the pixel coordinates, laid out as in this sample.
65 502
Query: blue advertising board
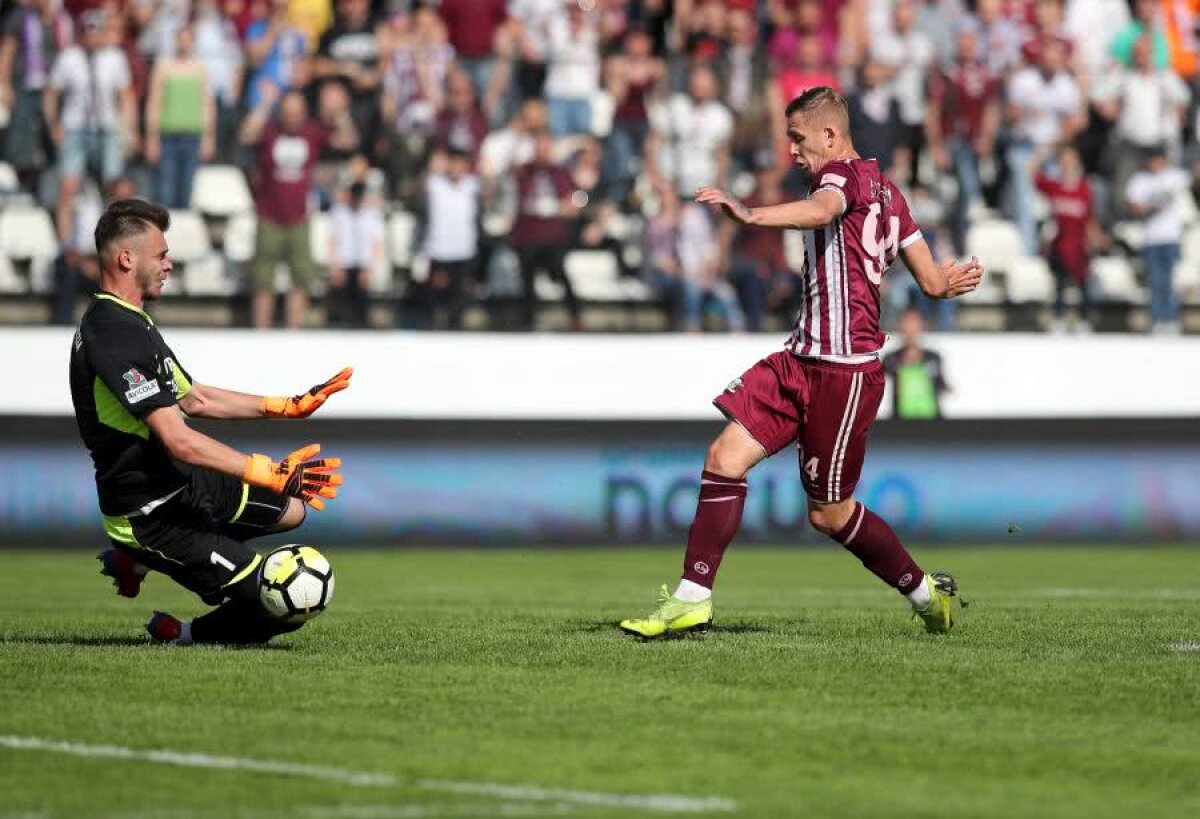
569 490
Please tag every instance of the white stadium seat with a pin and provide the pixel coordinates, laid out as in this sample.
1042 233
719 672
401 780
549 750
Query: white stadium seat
240 235
1130 233
10 282
546 289
636 290
188 237
221 190
401 232
8 179
207 276
594 275
1190 250
793 249
318 238
1029 280
996 242
1187 206
989 292
27 235
1113 279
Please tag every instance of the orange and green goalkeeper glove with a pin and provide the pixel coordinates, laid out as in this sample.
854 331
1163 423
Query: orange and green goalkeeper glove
305 404
300 475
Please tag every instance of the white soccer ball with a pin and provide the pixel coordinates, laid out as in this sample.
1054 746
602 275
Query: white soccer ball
297 583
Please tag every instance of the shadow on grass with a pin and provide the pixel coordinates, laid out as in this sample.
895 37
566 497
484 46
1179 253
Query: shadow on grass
119 642
610 626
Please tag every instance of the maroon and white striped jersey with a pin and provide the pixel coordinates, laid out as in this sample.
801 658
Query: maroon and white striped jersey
844 262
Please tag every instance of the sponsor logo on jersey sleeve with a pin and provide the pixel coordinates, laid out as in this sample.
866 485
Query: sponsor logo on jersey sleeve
140 387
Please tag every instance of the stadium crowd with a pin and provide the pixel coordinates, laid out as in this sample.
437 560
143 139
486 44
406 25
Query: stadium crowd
520 132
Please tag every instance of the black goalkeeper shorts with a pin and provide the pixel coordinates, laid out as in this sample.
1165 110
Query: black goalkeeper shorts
198 537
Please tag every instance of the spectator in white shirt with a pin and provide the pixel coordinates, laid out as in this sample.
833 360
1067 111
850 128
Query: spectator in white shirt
1153 195
451 236
1147 106
572 70
97 121
1045 109
689 137
356 248
1093 25
218 47
533 19
512 145
908 53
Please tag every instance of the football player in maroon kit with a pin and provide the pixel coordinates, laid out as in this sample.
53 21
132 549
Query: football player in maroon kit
823 389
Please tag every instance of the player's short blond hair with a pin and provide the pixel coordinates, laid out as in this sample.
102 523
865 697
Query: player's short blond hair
824 105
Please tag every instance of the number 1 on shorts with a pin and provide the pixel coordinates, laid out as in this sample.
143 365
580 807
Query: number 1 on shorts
217 560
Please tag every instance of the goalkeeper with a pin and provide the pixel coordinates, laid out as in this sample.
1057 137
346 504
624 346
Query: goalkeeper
173 499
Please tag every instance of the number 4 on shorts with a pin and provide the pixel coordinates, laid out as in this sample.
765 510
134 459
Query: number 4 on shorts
810 469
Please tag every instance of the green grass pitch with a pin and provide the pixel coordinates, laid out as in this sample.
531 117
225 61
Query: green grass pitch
494 684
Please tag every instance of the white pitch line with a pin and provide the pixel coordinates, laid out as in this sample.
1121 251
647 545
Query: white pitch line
662 803
191 760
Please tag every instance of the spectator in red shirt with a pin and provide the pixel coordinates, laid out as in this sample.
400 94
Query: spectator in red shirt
542 231
461 123
1047 24
287 151
806 19
472 26
1076 230
961 123
631 79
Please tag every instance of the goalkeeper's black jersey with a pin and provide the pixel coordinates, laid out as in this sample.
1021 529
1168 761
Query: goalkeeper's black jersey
120 370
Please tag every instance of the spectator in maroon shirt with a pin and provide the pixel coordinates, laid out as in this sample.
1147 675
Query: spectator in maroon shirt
757 263
631 79
1076 230
472 26
542 230
1047 26
961 122
287 151
461 122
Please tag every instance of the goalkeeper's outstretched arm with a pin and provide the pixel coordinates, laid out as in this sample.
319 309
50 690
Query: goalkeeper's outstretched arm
300 474
206 401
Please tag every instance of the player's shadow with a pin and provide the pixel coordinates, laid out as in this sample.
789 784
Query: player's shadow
119 642
610 626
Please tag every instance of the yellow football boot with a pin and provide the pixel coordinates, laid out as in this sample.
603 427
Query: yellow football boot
673 616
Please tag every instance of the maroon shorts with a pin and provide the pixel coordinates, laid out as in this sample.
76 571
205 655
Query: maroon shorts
824 407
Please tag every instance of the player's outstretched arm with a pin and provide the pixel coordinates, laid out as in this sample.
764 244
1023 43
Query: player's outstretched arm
306 403
206 401
948 280
300 475
816 211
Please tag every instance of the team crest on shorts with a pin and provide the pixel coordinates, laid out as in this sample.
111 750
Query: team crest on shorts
734 385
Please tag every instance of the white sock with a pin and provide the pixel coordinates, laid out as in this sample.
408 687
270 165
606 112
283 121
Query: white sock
920 597
692 592
185 634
